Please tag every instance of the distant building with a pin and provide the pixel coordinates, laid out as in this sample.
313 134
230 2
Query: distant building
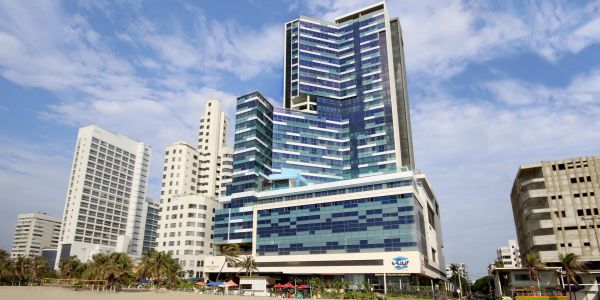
151 225
509 255
104 207
462 270
34 232
556 212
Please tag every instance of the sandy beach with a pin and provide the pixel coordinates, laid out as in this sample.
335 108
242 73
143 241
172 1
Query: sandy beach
57 293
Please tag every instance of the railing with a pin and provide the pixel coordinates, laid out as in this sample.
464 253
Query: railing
74 282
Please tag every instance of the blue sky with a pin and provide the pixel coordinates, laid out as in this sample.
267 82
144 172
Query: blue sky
492 85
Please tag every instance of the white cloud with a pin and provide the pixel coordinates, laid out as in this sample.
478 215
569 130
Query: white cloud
582 91
441 38
211 45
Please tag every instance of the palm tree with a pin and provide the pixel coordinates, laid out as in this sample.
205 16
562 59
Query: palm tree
231 253
6 266
38 266
96 268
571 264
455 269
248 265
71 267
316 286
534 266
22 267
118 269
156 266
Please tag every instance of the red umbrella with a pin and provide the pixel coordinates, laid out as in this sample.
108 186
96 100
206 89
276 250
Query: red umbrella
289 285
303 286
278 286
231 283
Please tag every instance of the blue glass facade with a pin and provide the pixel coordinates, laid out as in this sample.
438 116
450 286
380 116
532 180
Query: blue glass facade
342 69
341 120
251 166
374 224
253 142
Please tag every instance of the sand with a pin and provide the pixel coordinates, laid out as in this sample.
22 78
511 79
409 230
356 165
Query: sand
57 293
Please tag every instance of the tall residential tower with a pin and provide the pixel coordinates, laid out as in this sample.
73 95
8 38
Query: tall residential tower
106 195
193 178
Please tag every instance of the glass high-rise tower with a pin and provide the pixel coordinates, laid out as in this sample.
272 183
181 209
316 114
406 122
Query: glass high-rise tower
352 70
332 172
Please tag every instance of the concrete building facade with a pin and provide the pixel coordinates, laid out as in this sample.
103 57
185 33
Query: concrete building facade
556 209
33 233
556 212
106 193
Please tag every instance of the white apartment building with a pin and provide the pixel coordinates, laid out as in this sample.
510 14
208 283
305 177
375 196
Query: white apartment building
212 137
193 178
186 230
34 232
509 255
225 169
104 207
180 171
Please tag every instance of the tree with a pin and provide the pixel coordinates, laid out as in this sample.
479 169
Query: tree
22 265
483 284
534 265
71 267
157 266
571 264
96 268
248 265
231 253
118 269
455 269
38 266
316 287
6 266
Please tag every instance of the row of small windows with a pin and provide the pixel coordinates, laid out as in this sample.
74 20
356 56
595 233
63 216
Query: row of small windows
571 165
104 145
363 188
581 179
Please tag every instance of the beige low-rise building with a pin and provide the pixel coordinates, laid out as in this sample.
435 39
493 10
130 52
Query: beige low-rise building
186 231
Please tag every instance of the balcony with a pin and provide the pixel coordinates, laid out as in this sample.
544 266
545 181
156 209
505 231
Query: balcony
537 224
549 239
534 214
532 181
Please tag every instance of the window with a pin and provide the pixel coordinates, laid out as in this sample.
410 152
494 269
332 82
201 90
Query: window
521 277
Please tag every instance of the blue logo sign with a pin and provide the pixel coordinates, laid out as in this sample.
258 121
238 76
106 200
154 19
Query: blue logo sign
400 262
